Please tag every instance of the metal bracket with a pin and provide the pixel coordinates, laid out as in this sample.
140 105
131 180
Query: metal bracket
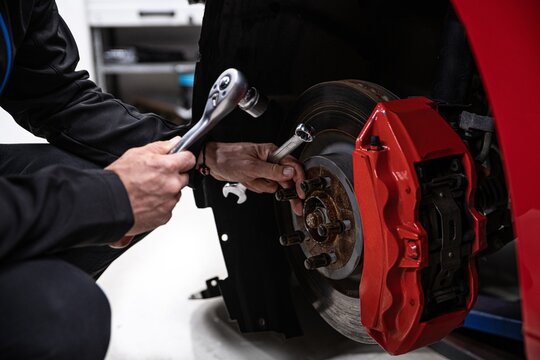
212 290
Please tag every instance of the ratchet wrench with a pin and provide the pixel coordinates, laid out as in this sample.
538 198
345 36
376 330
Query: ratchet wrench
230 89
303 134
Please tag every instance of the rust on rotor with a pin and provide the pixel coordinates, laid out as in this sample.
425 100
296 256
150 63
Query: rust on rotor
329 205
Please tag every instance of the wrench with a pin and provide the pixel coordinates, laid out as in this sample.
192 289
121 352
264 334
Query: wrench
230 89
303 134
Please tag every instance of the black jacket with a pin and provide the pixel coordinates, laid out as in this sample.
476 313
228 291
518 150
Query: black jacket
61 207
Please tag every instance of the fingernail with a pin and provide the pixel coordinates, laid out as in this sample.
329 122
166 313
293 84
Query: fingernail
288 171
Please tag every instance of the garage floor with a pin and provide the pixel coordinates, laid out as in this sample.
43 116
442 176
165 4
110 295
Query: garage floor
149 286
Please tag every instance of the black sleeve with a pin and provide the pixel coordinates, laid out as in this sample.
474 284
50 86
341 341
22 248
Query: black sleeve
48 97
60 207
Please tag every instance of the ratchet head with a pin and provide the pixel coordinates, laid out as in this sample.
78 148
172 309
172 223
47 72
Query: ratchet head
236 189
228 91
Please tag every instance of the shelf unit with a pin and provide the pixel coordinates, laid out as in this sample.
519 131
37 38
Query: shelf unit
148 68
132 23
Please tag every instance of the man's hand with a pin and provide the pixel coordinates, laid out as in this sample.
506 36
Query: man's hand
153 179
246 163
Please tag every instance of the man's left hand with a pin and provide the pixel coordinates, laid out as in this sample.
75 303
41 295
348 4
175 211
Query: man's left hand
246 163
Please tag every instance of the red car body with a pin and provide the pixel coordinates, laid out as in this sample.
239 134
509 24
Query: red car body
505 39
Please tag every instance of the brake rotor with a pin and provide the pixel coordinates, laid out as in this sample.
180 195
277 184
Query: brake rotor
331 219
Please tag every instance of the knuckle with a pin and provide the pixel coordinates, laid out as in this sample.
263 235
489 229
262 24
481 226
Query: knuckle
184 181
131 152
172 186
269 147
190 158
169 166
273 187
165 218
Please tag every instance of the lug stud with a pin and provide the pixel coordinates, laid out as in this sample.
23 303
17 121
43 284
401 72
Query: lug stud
335 228
293 238
286 194
317 183
319 261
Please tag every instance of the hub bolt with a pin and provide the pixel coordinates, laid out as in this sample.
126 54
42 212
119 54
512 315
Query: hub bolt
319 261
314 219
335 228
317 183
286 194
293 238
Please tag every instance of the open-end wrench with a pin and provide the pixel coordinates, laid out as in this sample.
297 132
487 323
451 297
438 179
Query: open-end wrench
230 89
303 134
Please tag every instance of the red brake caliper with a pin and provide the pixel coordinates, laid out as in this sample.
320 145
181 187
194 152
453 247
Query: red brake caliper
414 180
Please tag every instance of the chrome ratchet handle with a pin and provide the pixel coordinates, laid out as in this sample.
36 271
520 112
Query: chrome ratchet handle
229 90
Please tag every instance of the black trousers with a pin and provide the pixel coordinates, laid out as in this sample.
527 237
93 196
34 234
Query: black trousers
51 307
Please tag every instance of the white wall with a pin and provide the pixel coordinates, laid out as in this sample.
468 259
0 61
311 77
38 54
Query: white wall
12 133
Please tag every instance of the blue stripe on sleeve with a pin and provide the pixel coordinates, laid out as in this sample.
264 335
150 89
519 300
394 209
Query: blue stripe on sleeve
9 60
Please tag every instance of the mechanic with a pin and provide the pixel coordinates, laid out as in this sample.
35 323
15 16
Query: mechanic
105 179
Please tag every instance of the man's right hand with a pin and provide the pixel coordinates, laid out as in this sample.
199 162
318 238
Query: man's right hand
153 179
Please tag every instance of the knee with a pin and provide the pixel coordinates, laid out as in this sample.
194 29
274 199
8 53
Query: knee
60 313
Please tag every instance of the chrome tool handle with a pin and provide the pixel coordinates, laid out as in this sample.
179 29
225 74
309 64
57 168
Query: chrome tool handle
227 92
302 134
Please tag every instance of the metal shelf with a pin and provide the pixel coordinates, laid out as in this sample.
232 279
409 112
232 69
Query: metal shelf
148 68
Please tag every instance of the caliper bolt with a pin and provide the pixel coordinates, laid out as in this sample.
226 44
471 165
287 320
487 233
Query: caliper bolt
286 194
335 228
293 238
319 261
317 183
413 250
375 143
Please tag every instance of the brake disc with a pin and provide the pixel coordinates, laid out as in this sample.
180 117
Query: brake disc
337 111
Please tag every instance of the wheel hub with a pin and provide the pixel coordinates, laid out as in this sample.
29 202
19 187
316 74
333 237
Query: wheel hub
331 217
